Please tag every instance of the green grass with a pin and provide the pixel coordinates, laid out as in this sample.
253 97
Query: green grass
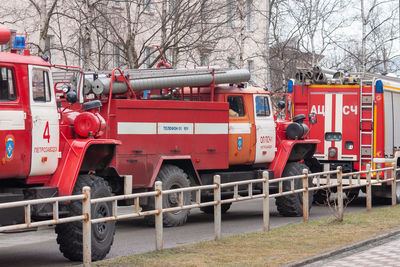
281 245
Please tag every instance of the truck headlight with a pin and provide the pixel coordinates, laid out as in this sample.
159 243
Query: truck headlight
332 152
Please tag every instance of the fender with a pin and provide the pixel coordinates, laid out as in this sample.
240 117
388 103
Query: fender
73 155
178 161
292 150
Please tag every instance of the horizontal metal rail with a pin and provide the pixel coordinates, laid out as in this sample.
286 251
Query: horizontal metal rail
40 201
27 204
389 176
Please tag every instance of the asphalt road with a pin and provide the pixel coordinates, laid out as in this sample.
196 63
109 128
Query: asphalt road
39 248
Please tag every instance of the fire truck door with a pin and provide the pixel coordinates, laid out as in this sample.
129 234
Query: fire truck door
45 124
12 127
265 129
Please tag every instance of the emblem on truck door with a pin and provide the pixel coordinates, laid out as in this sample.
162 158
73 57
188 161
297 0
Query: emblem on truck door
239 143
9 146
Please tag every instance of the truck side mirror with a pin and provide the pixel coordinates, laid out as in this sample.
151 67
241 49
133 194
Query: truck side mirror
71 97
281 105
312 118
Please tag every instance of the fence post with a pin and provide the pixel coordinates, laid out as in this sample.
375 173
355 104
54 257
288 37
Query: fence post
305 195
394 184
217 207
368 189
266 201
159 216
87 228
340 193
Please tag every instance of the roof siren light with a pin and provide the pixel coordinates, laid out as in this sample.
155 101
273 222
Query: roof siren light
19 42
5 35
290 86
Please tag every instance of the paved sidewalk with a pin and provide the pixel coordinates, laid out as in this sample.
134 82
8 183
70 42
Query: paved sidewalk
386 254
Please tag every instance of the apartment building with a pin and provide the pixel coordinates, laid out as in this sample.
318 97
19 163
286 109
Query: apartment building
105 34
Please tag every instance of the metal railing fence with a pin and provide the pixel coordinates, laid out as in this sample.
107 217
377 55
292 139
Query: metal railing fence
355 181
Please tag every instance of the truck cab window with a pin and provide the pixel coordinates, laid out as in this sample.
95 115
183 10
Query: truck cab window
262 106
7 85
40 86
236 106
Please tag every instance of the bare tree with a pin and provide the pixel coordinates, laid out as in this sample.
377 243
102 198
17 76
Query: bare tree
45 11
316 20
375 52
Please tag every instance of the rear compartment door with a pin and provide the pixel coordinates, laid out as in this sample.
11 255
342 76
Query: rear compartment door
338 123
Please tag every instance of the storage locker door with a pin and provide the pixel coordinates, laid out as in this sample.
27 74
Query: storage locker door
396 119
388 103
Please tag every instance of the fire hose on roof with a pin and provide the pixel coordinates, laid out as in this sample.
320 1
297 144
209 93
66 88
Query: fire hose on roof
167 79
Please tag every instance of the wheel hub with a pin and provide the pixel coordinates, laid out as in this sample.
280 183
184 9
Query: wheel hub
100 229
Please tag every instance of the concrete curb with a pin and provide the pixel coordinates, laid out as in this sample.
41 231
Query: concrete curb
343 249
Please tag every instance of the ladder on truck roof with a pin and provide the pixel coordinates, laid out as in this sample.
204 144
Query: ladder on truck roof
366 122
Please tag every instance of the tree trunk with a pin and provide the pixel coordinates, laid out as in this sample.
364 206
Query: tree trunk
43 26
242 35
363 41
86 36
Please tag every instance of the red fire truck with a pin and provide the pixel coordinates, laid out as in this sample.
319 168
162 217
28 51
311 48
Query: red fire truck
358 115
42 153
176 125
179 126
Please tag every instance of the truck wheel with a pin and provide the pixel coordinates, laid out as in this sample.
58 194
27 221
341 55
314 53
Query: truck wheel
292 205
210 209
69 235
321 197
172 177
352 194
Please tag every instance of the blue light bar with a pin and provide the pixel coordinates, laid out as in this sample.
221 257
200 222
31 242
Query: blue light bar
19 42
290 86
379 87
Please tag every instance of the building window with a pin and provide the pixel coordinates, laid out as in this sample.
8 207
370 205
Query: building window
171 4
204 60
250 67
231 63
148 6
117 4
148 56
229 14
7 85
249 16
49 44
116 56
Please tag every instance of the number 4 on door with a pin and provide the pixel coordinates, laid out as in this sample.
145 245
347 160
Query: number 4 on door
46 133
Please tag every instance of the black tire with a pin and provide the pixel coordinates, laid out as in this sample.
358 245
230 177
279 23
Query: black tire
210 209
321 197
172 177
69 235
292 205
